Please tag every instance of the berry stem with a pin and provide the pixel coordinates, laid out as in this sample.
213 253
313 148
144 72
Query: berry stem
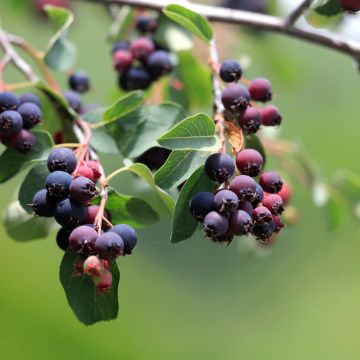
100 215
5 60
69 145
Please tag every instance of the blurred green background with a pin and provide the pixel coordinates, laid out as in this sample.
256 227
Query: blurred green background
197 300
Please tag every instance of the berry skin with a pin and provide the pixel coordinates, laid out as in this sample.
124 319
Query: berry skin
249 162
82 190
351 6
260 90
11 122
95 167
8 101
250 120
264 231
82 240
230 71
104 283
42 204
259 194
159 63
85 172
58 183
136 78
235 98
74 100
121 45
146 24
226 202
271 182
91 212
219 167
122 60
129 236
244 187
261 215
30 98
278 223
109 246
285 193
68 213
246 206
201 204
274 203
240 223
62 238
215 224
141 48
93 266
31 115
79 81
62 159
271 116
23 141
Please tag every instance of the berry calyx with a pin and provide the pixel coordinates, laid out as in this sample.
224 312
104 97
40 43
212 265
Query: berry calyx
271 116
271 182
82 240
219 167
260 90
235 98
61 159
274 203
249 162
93 266
201 204
215 224
263 231
230 71
261 215
226 202
58 183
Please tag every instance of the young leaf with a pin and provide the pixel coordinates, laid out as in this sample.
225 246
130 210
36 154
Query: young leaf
193 133
190 20
89 305
184 225
253 142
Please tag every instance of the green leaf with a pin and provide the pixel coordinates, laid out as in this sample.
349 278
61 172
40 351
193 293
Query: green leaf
349 184
330 8
89 305
253 142
102 141
190 20
184 225
11 162
178 167
193 133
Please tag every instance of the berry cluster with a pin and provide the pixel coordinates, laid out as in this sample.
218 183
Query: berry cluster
242 206
17 116
351 6
238 100
141 61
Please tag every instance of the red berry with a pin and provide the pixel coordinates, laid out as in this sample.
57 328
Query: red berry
285 193
271 116
244 187
122 60
351 6
279 224
249 162
271 182
58 137
261 215
95 167
104 283
141 48
85 172
250 120
23 141
91 212
260 90
93 266
274 203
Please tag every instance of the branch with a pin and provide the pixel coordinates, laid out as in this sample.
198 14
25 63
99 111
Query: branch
296 13
258 21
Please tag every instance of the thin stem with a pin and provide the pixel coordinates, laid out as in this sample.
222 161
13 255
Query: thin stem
113 174
5 60
68 145
298 12
100 215
19 85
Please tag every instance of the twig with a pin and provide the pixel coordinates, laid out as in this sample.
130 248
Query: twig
296 13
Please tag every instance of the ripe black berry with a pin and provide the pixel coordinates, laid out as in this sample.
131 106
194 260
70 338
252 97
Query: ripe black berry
146 24
235 98
260 90
201 204
230 71
244 187
249 162
219 167
42 204
68 213
57 184
274 203
74 100
8 101
11 122
82 240
121 45
226 202
263 231
30 98
246 206
250 120
137 78
271 182
122 60
82 190
62 238
31 115
79 81
61 159
259 194
159 63
129 236
261 215
215 224
271 116
109 246
23 141
141 48
240 223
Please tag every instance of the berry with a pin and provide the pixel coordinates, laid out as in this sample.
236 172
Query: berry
74 100
95 167
285 193
246 206
274 203
82 190
250 120
129 236
57 184
219 167
79 81
91 212
224 238
62 238
8 101
159 63
104 283
69 213
30 98
278 223
261 215
146 24
260 90
271 116
23 141
109 246
61 159
137 78
120 45
244 187
235 98
85 172
249 162
82 240
11 122
271 182
240 223
201 204
215 224
31 115
141 48
263 231
230 71
93 266
226 202
42 204
351 6
259 194
58 137
122 60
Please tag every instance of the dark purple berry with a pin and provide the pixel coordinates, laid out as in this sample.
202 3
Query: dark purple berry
235 98
250 120
109 246
274 203
271 182
246 206
82 240
8 101
201 204
258 196
240 223
263 231
31 115
69 213
74 100
271 116
129 236
137 78
11 122
121 45
249 162
42 204
146 24
82 190
122 60
30 98
230 71
244 187
279 224
62 238
141 48
79 81
215 224
261 215
23 141
219 167
61 159
57 184
226 202
260 90
159 63
224 238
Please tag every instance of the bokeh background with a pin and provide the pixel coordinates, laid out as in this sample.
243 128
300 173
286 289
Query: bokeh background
197 300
